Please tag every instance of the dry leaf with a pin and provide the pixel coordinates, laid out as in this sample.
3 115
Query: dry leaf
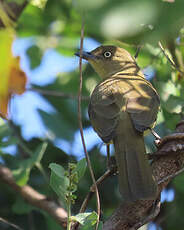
12 78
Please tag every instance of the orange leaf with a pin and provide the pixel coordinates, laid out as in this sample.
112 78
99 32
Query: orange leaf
17 78
12 78
4 106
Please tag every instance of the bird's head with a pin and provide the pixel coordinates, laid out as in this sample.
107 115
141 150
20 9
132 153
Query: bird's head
109 60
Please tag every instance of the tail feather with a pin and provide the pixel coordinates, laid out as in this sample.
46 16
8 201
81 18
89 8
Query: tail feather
135 177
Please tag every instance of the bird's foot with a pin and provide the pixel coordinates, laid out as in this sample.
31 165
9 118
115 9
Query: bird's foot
157 137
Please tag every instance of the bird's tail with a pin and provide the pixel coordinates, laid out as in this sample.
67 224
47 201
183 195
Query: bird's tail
135 176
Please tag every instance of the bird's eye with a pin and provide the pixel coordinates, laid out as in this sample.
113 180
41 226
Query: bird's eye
107 54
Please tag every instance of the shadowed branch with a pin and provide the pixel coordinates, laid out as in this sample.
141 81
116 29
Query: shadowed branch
34 198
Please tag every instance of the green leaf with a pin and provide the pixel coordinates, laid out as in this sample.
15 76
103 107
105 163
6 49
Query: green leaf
21 207
174 104
100 225
6 136
177 182
35 56
165 89
92 218
57 169
4 130
86 218
58 181
51 223
59 186
37 156
67 45
81 168
9 141
90 221
22 173
171 119
57 127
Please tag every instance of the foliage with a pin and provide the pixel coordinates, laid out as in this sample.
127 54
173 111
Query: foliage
56 25
13 79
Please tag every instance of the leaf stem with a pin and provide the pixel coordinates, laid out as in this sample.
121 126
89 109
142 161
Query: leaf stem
69 222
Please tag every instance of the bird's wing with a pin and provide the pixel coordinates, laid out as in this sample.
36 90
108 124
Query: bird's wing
113 97
103 113
144 108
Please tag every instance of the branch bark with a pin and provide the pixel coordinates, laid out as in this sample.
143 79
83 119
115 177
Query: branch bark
13 10
34 198
169 161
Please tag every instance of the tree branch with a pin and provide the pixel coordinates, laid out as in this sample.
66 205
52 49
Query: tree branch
168 163
100 180
150 217
8 223
34 198
13 10
55 93
173 64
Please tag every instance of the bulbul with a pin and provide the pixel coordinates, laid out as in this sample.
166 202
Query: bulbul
122 106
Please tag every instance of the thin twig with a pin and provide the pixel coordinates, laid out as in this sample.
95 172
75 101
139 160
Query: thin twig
90 194
137 51
168 58
155 134
108 153
10 224
81 128
58 94
92 189
101 179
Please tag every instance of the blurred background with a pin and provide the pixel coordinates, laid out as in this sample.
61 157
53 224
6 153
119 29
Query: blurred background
47 36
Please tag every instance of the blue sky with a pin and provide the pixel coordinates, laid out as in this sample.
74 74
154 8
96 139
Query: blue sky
42 75
24 108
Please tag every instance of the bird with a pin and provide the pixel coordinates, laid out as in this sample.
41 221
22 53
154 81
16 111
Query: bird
122 107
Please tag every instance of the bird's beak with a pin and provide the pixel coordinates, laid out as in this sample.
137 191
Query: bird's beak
85 55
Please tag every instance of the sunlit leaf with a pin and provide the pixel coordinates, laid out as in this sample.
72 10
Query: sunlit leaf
87 219
174 104
6 39
12 78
